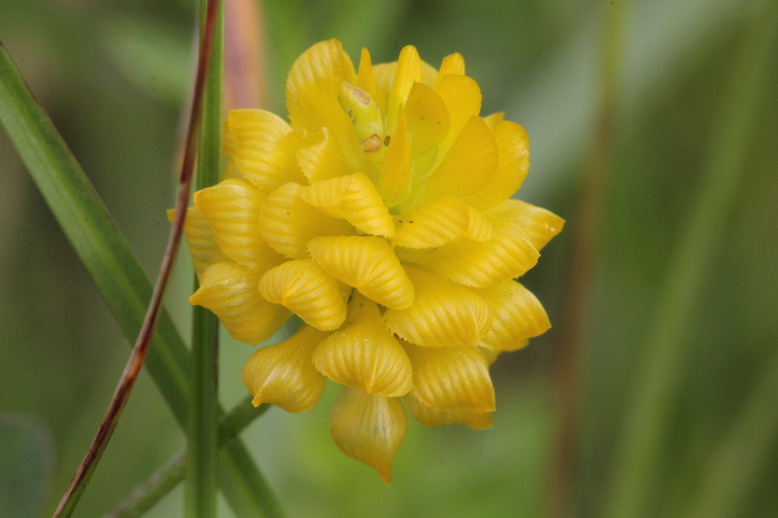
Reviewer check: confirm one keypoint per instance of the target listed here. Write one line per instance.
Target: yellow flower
(382, 217)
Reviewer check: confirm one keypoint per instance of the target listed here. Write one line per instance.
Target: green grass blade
(101, 247)
(657, 383)
(200, 486)
(735, 466)
(91, 230)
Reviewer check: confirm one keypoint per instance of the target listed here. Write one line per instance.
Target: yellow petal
(366, 78)
(367, 263)
(365, 355)
(512, 166)
(516, 316)
(463, 101)
(429, 416)
(287, 222)
(427, 118)
(441, 222)
(443, 313)
(232, 210)
(324, 109)
(385, 74)
(230, 291)
(308, 291)
(494, 119)
(354, 198)
(538, 224)
(368, 428)
(259, 149)
(312, 96)
(452, 64)
(319, 154)
(408, 71)
(199, 237)
(429, 74)
(283, 374)
(323, 63)
(490, 355)
(509, 254)
(479, 227)
(467, 167)
(384, 77)
(228, 149)
(451, 377)
(394, 178)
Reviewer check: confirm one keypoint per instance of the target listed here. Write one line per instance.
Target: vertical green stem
(200, 489)
(648, 417)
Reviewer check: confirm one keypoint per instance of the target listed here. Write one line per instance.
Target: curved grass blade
(648, 413)
(102, 249)
(89, 227)
(85, 470)
(733, 469)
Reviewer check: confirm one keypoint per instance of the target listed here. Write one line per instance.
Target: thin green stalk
(146, 496)
(165, 479)
(92, 457)
(102, 249)
(200, 487)
(648, 417)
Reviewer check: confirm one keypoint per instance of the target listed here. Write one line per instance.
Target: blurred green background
(115, 75)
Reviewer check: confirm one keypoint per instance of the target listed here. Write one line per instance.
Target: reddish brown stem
(123, 389)
(569, 347)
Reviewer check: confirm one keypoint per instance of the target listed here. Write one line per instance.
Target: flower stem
(648, 418)
(134, 364)
(200, 489)
(107, 257)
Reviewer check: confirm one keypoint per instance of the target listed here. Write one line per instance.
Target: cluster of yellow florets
(381, 216)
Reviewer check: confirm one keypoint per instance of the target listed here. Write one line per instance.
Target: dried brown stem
(122, 393)
(569, 347)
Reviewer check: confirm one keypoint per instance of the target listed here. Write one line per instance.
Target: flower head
(382, 216)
